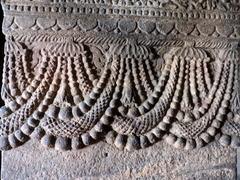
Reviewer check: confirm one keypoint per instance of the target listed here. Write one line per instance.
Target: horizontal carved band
(70, 93)
(122, 26)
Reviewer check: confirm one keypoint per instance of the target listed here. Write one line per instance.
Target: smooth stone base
(102, 161)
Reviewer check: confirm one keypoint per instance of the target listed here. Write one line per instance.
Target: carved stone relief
(130, 73)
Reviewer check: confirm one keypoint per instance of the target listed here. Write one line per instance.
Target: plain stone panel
(102, 161)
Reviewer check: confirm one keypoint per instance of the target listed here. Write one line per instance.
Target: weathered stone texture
(128, 73)
(103, 161)
(131, 73)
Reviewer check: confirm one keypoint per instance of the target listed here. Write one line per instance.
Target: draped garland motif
(65, 104)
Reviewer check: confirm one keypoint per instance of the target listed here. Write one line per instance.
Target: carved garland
(127, 82)
(67, 105)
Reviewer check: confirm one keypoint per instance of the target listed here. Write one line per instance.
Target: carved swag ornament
(128, 72)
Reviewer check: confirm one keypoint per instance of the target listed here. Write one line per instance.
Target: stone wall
(103, 161)
(114, 83)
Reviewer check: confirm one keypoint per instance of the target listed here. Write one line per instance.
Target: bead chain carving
(131, 82)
